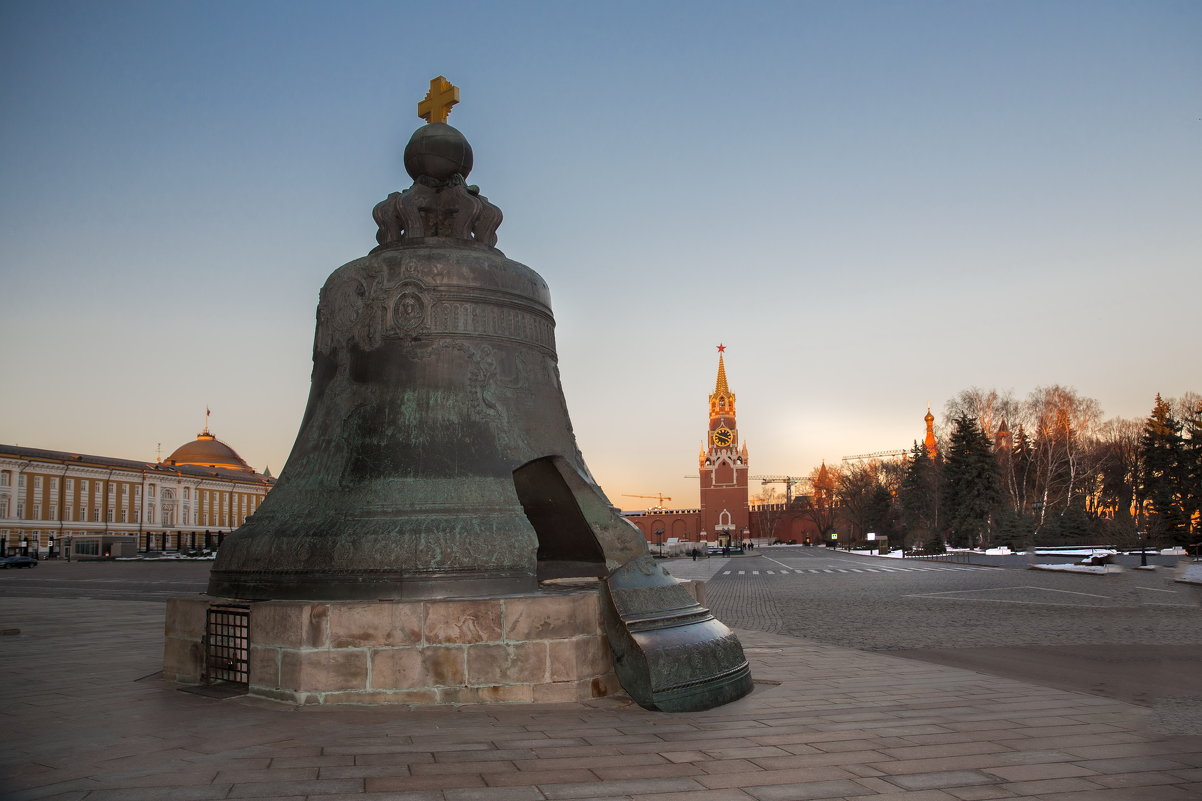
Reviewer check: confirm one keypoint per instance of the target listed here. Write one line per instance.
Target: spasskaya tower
(723, 468)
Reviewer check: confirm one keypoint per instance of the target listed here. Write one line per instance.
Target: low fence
(959, 557)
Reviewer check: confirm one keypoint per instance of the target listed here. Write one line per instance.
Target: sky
(873, 205)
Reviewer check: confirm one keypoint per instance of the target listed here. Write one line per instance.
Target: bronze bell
(436, 458)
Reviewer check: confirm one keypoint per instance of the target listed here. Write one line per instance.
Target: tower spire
(929, 440)
(720, 384)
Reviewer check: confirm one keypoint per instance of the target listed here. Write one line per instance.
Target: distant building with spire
(723, 467)
(929, 439)
(726, 515)
(1003, 440)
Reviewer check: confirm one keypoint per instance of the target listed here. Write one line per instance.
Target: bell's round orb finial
(437, 151)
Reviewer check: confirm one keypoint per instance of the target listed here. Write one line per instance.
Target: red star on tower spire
(720, 386)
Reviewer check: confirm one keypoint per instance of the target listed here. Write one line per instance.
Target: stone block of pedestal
(546, 646)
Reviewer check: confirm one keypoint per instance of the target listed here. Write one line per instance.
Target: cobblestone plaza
(87, 718)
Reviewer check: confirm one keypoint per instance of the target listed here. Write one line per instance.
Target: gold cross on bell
(437, 105)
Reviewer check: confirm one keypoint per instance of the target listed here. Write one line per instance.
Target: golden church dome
(208, 451)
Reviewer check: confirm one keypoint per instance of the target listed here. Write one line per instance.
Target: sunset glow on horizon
(872, 207)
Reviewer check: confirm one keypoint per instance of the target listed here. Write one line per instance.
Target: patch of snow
(1074, 551)
(1192, 574)
(1072, 568)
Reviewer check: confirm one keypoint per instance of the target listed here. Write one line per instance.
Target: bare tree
(1064, 424)
(769, 508)
(864, 497)
(822, 506)
(1116, 464)
(989, 407)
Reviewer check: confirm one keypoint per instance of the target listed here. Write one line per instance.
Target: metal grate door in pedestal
(227, 629)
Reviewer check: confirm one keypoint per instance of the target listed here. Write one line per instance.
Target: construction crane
(867, 457)
(788, 481)
(660, 496)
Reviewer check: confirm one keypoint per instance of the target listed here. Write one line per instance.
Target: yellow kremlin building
(58, 503)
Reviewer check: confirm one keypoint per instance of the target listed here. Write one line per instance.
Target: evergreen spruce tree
(1015, 529)
(1162, 465)
(972, 483)
(919, 495)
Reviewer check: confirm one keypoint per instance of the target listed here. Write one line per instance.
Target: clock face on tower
(723, 437)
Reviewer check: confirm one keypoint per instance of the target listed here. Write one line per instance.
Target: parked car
(18, 561)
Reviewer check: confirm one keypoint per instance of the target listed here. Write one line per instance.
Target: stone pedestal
(539, 647)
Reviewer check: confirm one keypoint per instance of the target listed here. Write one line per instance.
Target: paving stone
(728, 766)
(617, 760)
(444, 768)
(312, 787)
(600, 789)
(1163, 793)
(770, 777)
(695, 795)
(534, 778)
(910, 795)
(940, 779)
(1046, 786)
(944, 750)
(494, 794)
(417, 795)
(266, 775)
(943, 764)
(311, 760)
(1131, 764)
(441, 781)
(362, 771)
(807, 790)
(979, 793)
(197, 793)
(593, 750)
(1136, 779)
(819, 759)
(394, 759)
(647, 771)
(1049, 770)
(474, 757)
(684, 756)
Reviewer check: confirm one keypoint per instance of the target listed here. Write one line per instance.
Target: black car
(18, 561)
